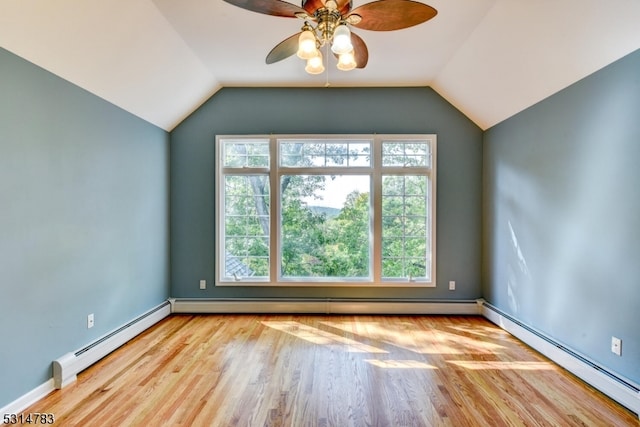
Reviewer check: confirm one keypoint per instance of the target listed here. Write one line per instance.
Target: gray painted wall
(326, 110)
(83, 220)
(562, 216)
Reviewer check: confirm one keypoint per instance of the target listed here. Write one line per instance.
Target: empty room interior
(445, 229)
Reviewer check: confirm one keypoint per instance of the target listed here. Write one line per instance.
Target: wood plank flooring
(285, 370)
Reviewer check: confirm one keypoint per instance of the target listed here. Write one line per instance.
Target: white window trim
(376, 170)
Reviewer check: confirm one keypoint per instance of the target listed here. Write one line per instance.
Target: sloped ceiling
(161, 59)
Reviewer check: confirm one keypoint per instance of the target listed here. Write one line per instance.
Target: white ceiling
(161, 59)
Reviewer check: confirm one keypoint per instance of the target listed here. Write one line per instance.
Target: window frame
(375, 170)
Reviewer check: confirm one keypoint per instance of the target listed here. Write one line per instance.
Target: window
(326, 210)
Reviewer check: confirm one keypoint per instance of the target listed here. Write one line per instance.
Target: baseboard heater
(325, 306)
(66, 368)
(616, 387)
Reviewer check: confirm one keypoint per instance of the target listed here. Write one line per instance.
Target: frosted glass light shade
(315, 65)
(306, 45)
(341, 40)
(347, 61)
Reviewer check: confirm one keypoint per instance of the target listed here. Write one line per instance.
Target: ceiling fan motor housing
(327, 21)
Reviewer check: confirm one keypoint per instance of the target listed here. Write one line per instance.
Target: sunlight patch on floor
(318, 336)
(511, 365)
(435, 341)
(400, 364)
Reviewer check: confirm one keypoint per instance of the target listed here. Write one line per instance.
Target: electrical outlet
(452, 285)
(616, 346)
(90, 321)
(203, 284)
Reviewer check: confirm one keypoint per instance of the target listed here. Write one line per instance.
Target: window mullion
(274, 228)
(376, 200)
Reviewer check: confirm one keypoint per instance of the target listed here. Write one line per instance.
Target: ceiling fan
(326, 22)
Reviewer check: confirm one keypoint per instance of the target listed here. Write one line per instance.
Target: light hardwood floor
(250, 370)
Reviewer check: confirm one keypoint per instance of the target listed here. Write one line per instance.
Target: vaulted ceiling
(161, 59)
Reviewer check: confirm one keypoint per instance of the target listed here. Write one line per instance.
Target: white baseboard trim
(23, 402)
(617, 388)
(323, 306)
(66, 367)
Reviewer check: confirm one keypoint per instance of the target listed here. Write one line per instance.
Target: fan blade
(389, 15)
(360, 51)
(284, 49)
(269, 7)
(310, 6)
(344, 6)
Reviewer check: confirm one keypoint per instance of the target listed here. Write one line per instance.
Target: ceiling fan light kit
(326, 23)
(307, 47)
(314, 64)
(341, 40)
(346, 61)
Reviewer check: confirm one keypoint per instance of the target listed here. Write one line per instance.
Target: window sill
(334, 284)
